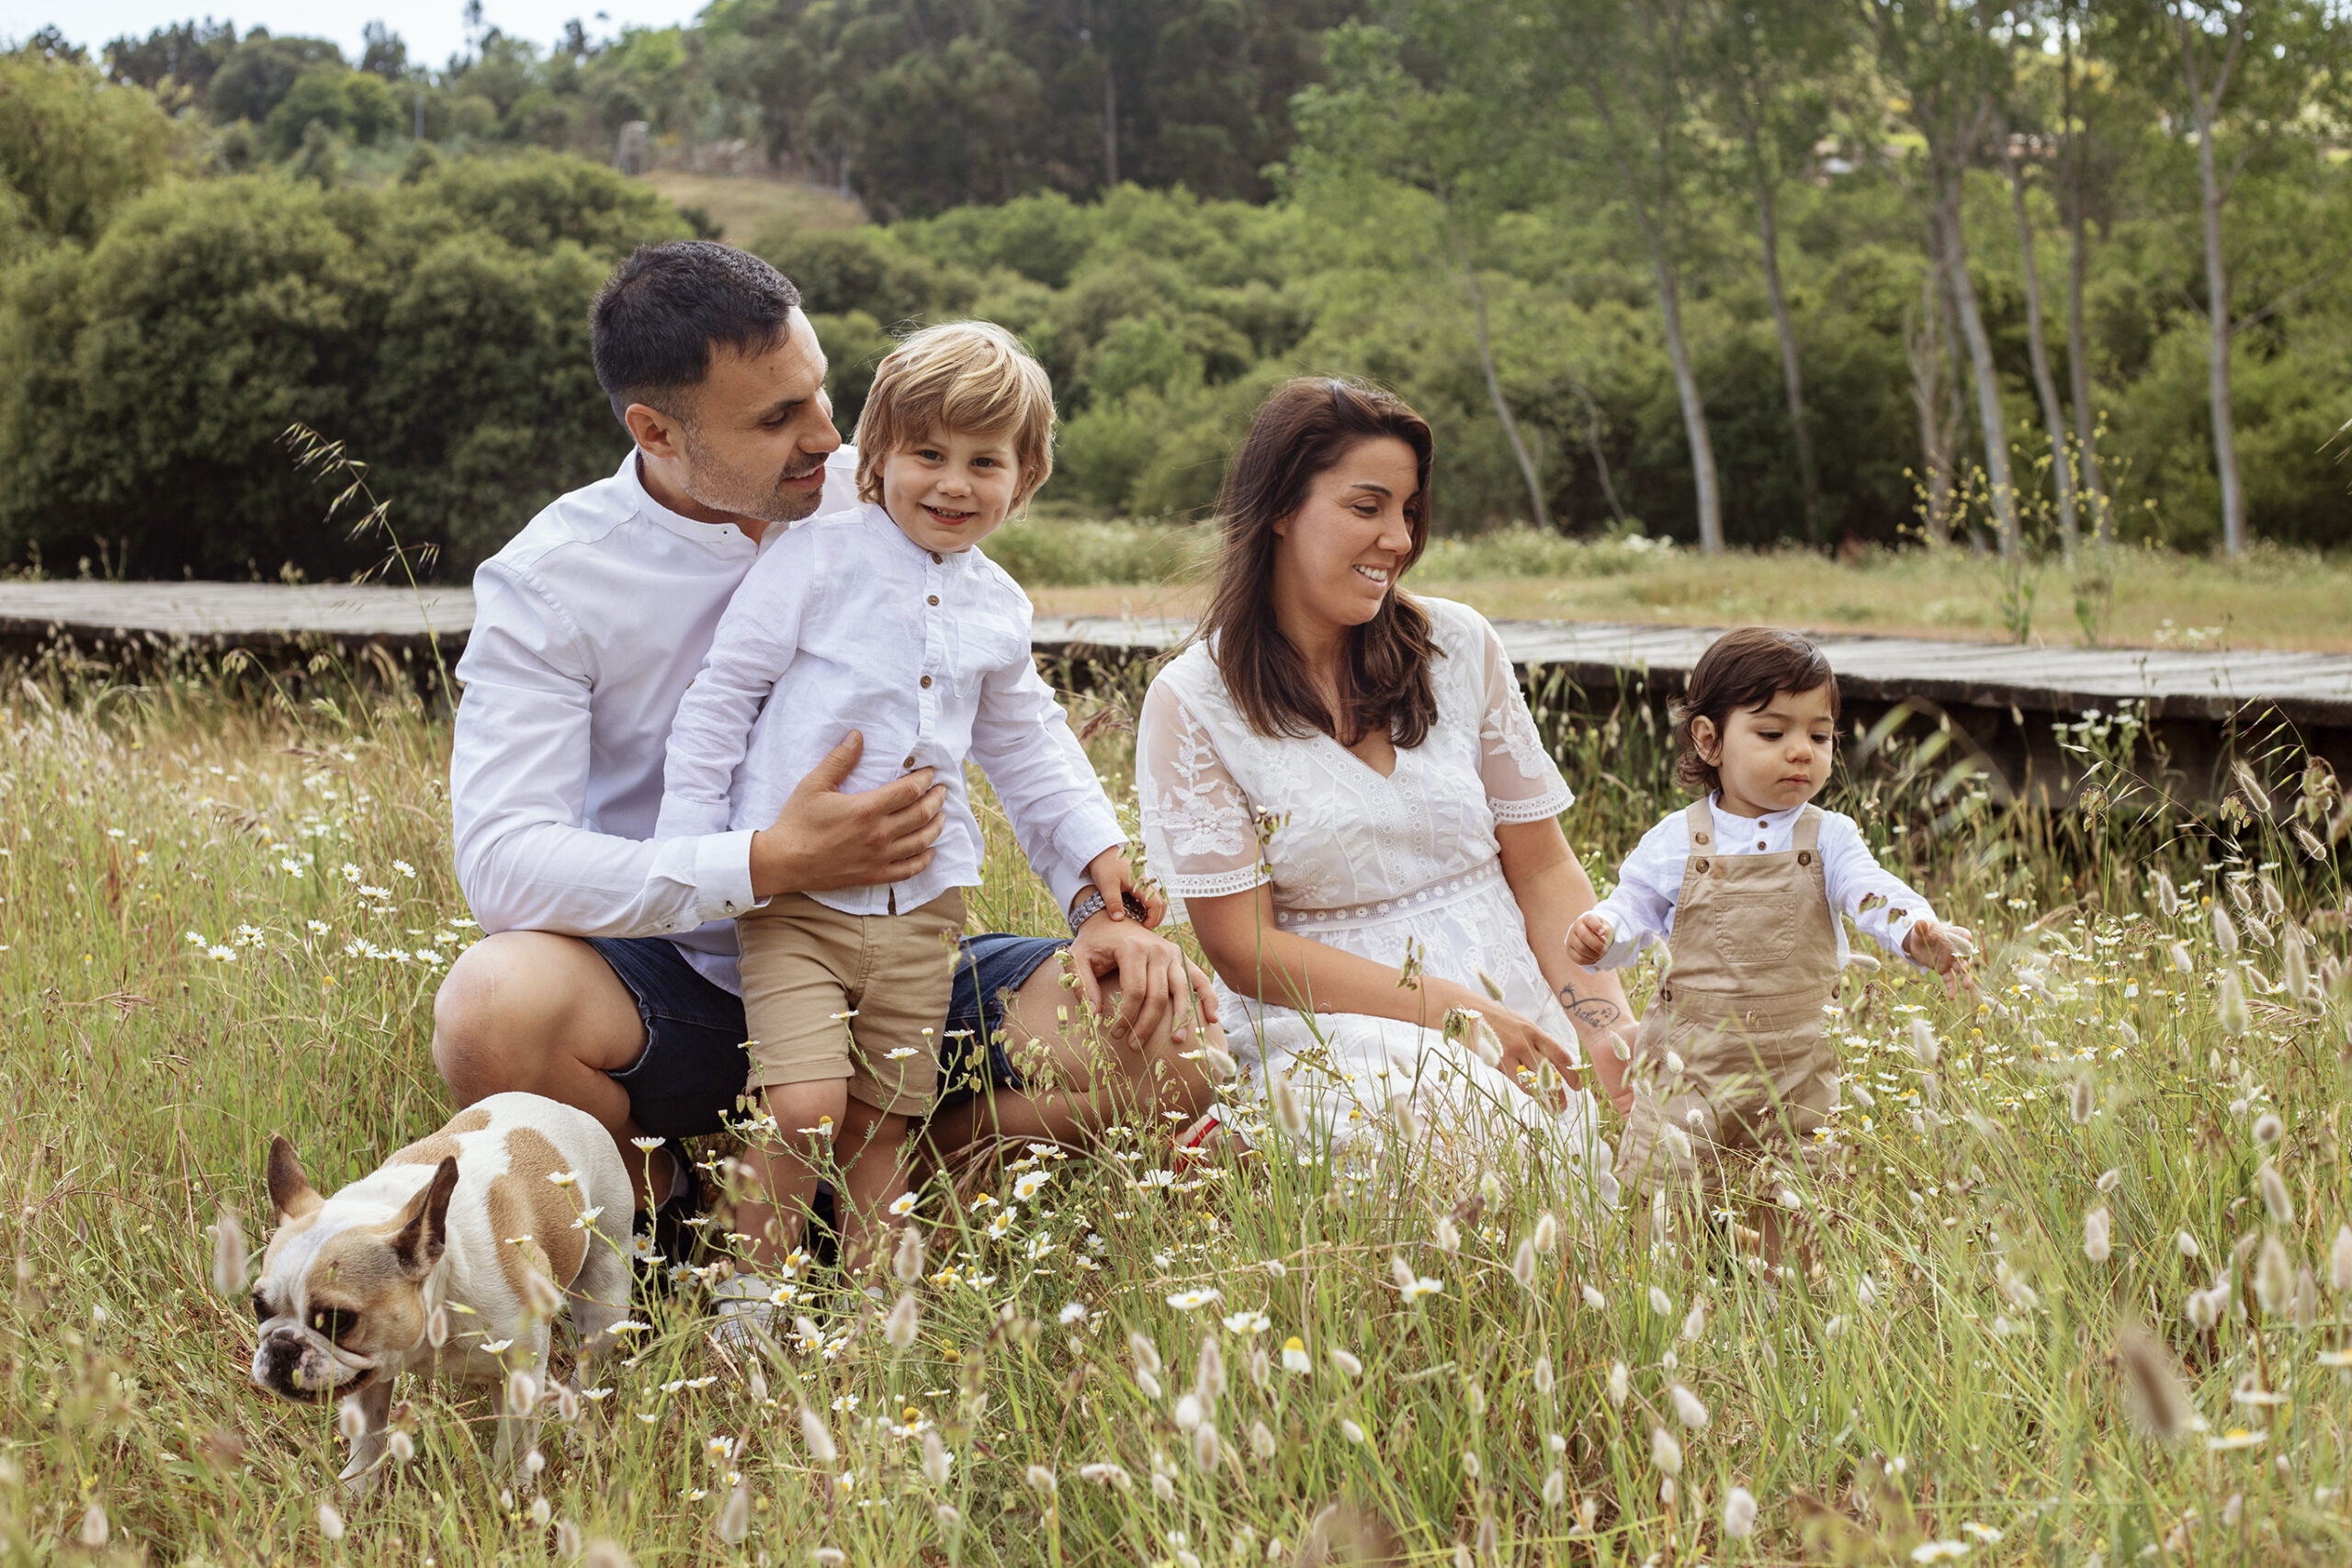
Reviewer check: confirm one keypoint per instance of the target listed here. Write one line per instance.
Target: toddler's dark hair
(1742, 669)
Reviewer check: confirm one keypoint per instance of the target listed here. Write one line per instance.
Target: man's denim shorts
(693, 1066)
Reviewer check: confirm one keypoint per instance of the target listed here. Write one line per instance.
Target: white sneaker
(748, 1303)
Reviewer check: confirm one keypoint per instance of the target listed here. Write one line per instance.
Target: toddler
(889, 621)
(1747, 887)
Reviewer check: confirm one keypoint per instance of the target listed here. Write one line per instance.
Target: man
(607, 979)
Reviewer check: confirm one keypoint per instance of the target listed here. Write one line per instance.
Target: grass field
(742, 206)
(225, 914)
(2273, 599)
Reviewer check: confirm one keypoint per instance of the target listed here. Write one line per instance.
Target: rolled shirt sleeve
(1640, 910)
(519, 781)
(1854, 878)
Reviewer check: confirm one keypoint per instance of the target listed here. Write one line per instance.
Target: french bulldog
(427, 1265)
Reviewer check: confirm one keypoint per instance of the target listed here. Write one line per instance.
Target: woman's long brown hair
(1303, 431)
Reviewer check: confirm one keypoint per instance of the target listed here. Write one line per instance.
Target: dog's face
(341, 1297)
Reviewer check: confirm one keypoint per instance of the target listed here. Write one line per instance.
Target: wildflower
(1146, 1353)
(2236, 1437)
(2339, 1261)
(1938, 1550)
(402, 1445)
(1475, 1396)
(1294, 1356)
(2274, 1280)
(350, 1420)
(330, 1521)
(936, 1460)
(1351, 1431)
(1556, 1489)
(2273, 1194)
(2231, 1006)
(1040, 1479)
(1246, 1321)
(1424, 1286)
(1547, 1232)
(901, 1327)
(1620, 1384)
(1190, 1300)
(1346, 1362)
(1148, 1381)
(2108, 1181)
(1208, 1377)
(1106, 1475)
(2225, 931)
(2268, 1128)
(1205, 1446)
(1665, 1452)
(1694, 1323)
(903, 1205)
(2095, 1234)
(1288, 1109)
(815, 1435)
(2167, 895)
(1031, 1184)
(1923, 1042)
(1739, 1512)
(2189, 1248)
(1447, 1237)
(2152, 1384)
(1522, 1265)
(229, 1253)
(1689, 1408)
(1190, 1413)
(522, 1390)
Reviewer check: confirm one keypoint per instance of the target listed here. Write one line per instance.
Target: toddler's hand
(1121, 889)
(1589, 938)
(1944, 948)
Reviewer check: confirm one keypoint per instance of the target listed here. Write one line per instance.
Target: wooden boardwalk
(2306, 689)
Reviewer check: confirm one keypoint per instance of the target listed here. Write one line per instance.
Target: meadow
(2137, 596)
(2081, 1293)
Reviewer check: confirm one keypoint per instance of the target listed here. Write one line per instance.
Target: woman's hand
(1520, 1049)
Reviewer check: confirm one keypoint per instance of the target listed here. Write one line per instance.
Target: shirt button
(937, 560)
(910, 762)
(926, 682)
(935, 599)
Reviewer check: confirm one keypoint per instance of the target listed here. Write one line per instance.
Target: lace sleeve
(1198, 833)
(1523, 783)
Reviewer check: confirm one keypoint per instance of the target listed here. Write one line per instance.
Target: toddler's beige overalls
(1754, 948)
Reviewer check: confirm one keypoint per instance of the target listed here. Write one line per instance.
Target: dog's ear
(289, 1189)
(423, 1226)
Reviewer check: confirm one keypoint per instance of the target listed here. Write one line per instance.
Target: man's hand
(1162, 995)
(823, 840)
(1115, 879)
(1589, 938)
(1944, 948)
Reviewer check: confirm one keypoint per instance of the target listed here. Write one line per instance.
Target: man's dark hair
(1745, 668)
(657, 319)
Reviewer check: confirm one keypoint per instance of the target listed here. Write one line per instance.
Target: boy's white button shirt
(1641, 911)
(847, 624)
(587, 628)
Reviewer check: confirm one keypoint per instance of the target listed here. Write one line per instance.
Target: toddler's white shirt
(1641, 911)
(845, 623)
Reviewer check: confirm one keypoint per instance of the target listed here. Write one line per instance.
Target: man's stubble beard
(709, 481)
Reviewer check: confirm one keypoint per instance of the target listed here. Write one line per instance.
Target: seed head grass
(2073, 1264)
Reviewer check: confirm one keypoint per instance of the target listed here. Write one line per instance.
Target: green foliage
(71, 148)
(439, 327)
(261, 70)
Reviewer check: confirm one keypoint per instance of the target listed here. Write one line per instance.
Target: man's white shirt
(1641, 911)
(848, 623)
(588, 627)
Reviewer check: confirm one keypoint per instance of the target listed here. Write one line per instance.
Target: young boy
(1746, 886)
(889, 621)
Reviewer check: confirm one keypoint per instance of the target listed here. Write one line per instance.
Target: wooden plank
(2306, 688)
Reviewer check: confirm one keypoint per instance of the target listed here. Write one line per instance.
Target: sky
(434, 28)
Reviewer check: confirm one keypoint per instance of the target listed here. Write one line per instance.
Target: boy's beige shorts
(805, 963)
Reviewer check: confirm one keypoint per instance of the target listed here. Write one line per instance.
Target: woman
(1343, 786)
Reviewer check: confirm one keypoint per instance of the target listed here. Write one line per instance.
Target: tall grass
(225, 916)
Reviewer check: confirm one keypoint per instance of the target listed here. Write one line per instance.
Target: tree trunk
(1767, 233)
(2217, 314)
(2044, 385)
(1110, 125)
(1502, 404)
(2078, 352)
(1694, 410)
(1980, 356)
(1931, 398)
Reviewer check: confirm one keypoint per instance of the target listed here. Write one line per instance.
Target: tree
(2024, 40)
(1449, 143)
(186, 54)
(72, 147)
(1942, 55)
(1767, 63)
(1631, 60)
(261, 71)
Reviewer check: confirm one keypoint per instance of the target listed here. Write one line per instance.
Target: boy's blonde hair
(961, 376)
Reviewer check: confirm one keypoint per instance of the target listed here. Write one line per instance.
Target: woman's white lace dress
(1396, 869)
